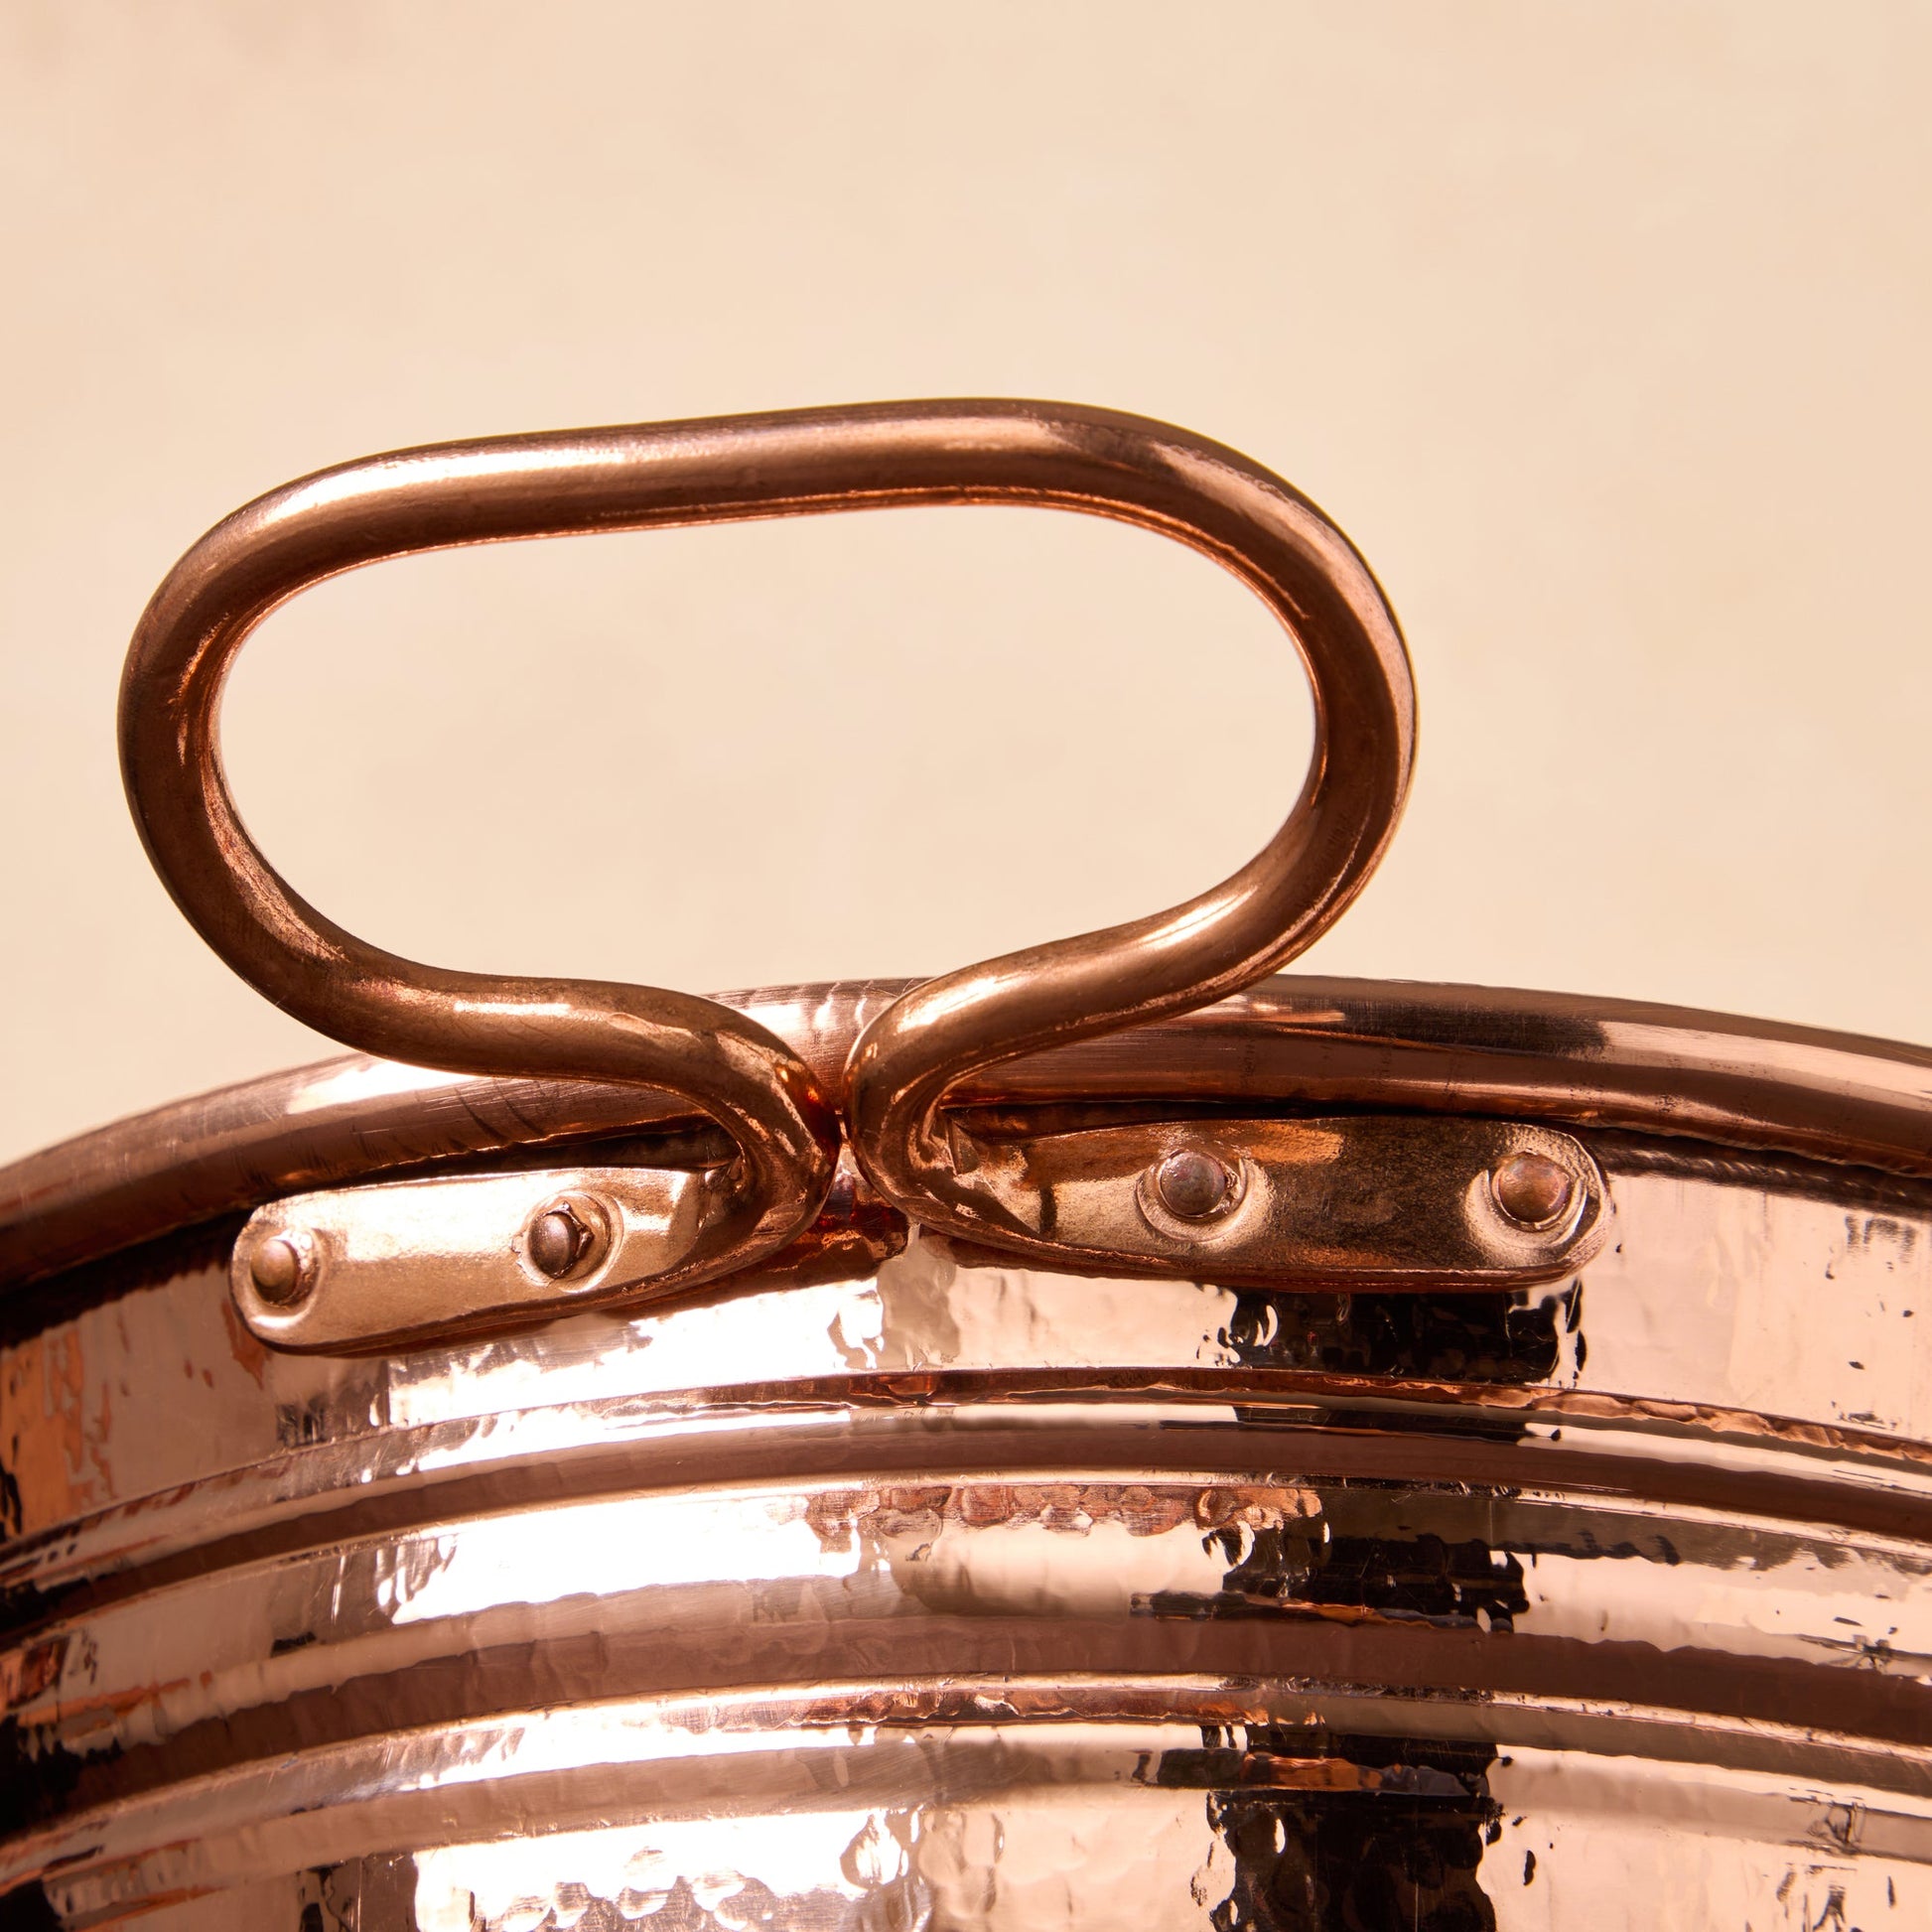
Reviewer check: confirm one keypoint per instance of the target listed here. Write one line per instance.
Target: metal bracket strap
(1351, 1202)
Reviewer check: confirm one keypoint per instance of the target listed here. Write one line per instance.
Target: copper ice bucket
(1105, 1438)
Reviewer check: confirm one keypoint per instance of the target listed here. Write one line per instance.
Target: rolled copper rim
(1297, 1041)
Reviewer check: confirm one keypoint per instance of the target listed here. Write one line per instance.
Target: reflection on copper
(1292, 1040)
(933, 1572)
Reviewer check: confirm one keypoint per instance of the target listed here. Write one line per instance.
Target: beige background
(1601, 328)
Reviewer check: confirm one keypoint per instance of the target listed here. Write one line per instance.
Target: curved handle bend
(1307, 572)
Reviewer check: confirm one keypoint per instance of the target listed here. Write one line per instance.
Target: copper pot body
(924, 1587)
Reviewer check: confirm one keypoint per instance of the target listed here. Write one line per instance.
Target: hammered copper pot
(1101, 1439)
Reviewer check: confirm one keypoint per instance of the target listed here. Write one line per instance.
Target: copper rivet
(1191, 1186)
(558, 1241)
(280, 1270)
(1532, 1189)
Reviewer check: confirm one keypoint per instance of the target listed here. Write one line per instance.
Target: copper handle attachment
(721, 469)
(1307, 572)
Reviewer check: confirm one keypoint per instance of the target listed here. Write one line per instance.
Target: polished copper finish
(741, 1074)
(1292, 1041)
(944, 1590)
(1305, 1454)
(390, 1265)
(911, 1056)
(1331, 1203)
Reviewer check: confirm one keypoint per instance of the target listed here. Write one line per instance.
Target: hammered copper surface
(957, 1592)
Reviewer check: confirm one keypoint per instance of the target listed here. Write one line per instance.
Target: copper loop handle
(1278, 904)
(727, 468)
